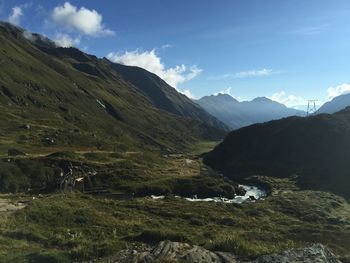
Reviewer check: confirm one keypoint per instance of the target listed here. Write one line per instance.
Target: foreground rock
(175, 252)
(168, 251)
(316, 253)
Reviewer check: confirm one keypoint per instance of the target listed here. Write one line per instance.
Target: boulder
(315, 253)
(15, 152)
(167, 251)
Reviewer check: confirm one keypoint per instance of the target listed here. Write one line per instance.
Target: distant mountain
(336, 104)
(316, 148)
(237, 114)
(67, 98)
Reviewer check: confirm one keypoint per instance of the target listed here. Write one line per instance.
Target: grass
(78, 226)
(240, 246)
(63, 227)
(203, 147)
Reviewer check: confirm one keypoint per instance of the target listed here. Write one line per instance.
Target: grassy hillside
(166, 97)
(55, 98)
(317, 149)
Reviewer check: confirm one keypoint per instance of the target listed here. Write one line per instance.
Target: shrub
(64, 155)
(155, 236)
(12, 178)
(49, 257)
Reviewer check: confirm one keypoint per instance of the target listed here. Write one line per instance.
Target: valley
(104, 162)
(72, 225)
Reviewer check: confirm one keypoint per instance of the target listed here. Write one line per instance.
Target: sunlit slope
(63, 97)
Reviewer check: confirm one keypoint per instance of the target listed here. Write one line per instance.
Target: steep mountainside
(239, 114)
(336, 104)
(316, 148)
(62, 96)
(164, 96)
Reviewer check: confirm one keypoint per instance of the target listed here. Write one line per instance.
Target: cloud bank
(288, 100)
(150, 61)
(338, 90)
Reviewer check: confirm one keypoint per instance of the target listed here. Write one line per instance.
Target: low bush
(155, 236)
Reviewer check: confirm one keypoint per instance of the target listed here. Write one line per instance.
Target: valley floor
(73, 226)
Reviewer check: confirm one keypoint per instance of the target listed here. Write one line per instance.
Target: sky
(290, 51)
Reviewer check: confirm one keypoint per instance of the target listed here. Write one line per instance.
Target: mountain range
(237, 114)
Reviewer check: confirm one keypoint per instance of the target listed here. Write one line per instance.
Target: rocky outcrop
(168, 251)
(316, 253)
(176, 252)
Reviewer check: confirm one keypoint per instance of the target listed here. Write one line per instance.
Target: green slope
(71, 99)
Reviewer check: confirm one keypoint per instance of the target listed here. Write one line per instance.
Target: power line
(311, 107)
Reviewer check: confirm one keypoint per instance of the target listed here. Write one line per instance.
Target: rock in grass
(15, 152)
(316, 253)
(26, 126)
(167, 251)
(176, 252)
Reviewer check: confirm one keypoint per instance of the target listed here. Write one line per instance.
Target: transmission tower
(311, 107)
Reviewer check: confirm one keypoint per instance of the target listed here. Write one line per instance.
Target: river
(252, 193)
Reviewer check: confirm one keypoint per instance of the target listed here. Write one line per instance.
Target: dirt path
(7, 205)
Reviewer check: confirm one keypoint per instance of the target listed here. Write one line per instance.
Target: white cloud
(16, 15)
(226, 91)
(188, 93)
(338, 90)
(28, 35)
(88, 22)
(247, 74)
(64, 40)
(166, 46)
(254, 73)
(310, 30)
(288, 100)
(150, 61)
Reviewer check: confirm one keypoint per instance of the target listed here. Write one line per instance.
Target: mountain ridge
(70, 90)
(336, 104)
(239, 114)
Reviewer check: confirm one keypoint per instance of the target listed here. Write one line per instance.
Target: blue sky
(290, 50)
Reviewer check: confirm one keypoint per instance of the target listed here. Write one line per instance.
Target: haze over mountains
(237, 114)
